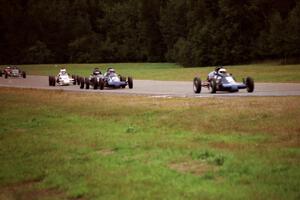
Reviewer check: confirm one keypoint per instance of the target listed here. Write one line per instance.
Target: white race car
(62, 79)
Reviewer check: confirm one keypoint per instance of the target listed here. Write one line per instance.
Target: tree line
(188, 32)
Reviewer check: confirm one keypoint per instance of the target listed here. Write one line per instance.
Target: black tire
(81, 80)
(123, 79)
(87, 83)
(213, 86)
(78, 80)
(1, 73)
(250, 84)
(95, 83)
(197, 85)
(24, 74)
(53, 81)
(101, 84)
(50, 82)
(130, 83)
(74, 78)
(6, 75)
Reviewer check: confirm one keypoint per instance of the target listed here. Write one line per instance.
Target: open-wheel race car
(62, 79)
(92, 81)
(13, 71)
(110, 80)
(220, 80)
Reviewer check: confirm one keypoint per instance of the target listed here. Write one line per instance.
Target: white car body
(65, 80)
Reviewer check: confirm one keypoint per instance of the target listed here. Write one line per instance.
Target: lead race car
(220, 80)
(62, 79)
(13, 72)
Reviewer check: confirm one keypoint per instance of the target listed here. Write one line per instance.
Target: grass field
(63, 145)
(264, 72)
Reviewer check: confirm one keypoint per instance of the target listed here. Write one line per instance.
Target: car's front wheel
(213, 86)
(87, 83)
(197, 85)
(250, 84)
(130, 83)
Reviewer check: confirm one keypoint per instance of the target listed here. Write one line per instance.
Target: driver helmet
(108, 69)
(218, 68)
(63, 71)
(222, 71)
(96, 71)
(111, 71)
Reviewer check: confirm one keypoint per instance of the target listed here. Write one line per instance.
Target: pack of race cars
(97, 80)
(217, 80)
(110, 79)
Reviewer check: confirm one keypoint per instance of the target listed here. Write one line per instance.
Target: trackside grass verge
(264, 72)
(63, 145)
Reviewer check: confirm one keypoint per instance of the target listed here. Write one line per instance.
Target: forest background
(187, 32)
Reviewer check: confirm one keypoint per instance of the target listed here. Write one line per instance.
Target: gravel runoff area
(158, 88)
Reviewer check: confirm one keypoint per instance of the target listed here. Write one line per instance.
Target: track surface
(158, 88)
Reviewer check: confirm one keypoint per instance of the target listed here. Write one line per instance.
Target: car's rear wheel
(0, 73)
(78, 80)
(24, 74)
(197, 85)
(95, 82)
(130, 82)
(6, 75)
(213, 86)
(101, 84)
(81, 81)
(50, 82)
(250, 84)
(87, 83)
(74, 79)
(53, 81)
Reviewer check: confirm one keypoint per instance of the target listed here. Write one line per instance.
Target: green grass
(60, 145)
(264, 72)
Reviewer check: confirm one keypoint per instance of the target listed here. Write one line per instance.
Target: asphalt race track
(158, 88)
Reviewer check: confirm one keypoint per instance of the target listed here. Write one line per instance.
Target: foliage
(188, 32)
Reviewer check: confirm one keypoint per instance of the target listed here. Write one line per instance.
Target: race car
(62, 79)
(13, 71)
(110, 80)
(94, 80)
(222, 81)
